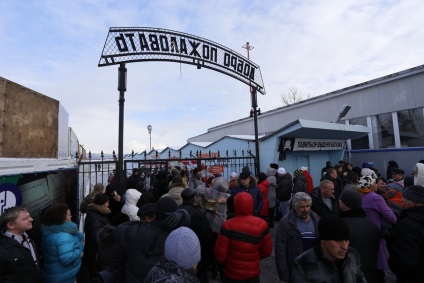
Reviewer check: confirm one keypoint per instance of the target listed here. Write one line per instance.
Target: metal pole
(255, 121)
(149, 128)
(122, 87)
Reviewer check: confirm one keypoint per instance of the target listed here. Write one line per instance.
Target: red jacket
(263, 186)
(243, 241)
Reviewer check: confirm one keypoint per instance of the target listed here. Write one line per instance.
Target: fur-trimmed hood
(101, 209)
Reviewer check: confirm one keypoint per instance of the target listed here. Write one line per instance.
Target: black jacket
(365, 238)
(143, 245)
(284, 187)
(407, 249)
(319, 207)
(16, 262)
(289, 243)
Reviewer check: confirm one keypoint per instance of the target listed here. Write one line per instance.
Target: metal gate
(101, 170)
(212, 163)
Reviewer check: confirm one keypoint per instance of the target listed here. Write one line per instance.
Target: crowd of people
(180, 226)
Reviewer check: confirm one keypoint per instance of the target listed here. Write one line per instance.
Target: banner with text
(318, 144)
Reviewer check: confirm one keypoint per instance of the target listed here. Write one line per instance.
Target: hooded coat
(130, 207)
(174, 192)
(263, 187)
(272, 198)
(244, 240)
(253, 190)
(62, 248)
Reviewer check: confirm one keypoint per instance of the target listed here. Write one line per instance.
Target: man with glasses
(323, 200)
(19, 261)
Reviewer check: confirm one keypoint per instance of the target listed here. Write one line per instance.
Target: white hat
(281, 171)
(233, 175)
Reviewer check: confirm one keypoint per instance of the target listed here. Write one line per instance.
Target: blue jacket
(253, 190)
(62, 249)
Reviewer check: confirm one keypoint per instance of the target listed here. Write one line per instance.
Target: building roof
(302, 128)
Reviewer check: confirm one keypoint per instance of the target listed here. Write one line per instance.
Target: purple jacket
(376, 209)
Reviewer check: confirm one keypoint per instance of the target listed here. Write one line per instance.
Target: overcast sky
(53, 47)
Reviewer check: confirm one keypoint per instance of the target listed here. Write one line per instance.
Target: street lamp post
(149, 128)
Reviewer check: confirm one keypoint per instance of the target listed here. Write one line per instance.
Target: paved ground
(269, 272)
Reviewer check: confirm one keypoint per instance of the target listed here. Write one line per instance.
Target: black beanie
(165, 206)
(332, 227)
(101, 199)
(188, 194)
(351, 198)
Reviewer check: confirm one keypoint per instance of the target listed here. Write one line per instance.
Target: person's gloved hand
(179, 217)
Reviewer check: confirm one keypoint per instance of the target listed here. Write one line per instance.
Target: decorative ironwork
(125, 45)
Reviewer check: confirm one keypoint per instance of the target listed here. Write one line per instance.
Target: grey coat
(272, 198)
(311, 266)
(288, 244)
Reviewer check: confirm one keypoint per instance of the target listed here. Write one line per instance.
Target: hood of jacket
(416, 213)
(106, 236)
(286, 176)
(270, 171)
(66, 227)
(243, 204)
(99, 208)
(132, 196)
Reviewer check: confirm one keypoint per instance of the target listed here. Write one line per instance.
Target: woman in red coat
(263, 185)
(244, 240)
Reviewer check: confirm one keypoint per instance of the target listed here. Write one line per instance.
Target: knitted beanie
(332, 227)
(183, 247)
(298, 172)
(101, 199)
(351, 198)
(165, 206)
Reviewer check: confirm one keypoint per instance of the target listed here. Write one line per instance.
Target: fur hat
(101, 199)
(183, 247)
(351, 198)
(366, 182)
(414, 193)
(245, 173)
(273, 165)
(165, 206)
(281, 171)
(332, 227)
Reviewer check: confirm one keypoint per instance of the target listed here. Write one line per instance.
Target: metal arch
(132, 44)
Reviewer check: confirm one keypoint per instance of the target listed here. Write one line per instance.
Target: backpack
(284, 190)
(85, 203)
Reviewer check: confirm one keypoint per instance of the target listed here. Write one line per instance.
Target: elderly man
(19, 260)
(323, 200)
(332, 260)
(296, 233)
(407, 250)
